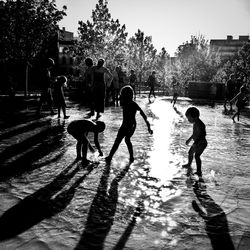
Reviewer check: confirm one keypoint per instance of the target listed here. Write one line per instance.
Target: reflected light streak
(162, 161)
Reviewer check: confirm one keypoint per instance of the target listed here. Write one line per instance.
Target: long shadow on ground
(42, 204)
(102, 211)
(214, 218)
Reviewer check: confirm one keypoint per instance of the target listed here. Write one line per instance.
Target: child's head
(100, 126)
(127, 93)
(89, 62)
(100, 63)
(192, 113)
(50, 62)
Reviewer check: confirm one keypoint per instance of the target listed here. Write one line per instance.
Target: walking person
(46, 92)
(87, 79)
(127, 129)
(240, 100)
(198, 137)
(230, 92)
(175, 86)
(99, 86)
(59, 85)
(151, 83)
(132, 81)
(116, 86)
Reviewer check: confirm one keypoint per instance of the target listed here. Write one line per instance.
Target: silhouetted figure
(212, 93)
(240, 100)
(116, 86)
(199, 138)
(132, 81)
(214, 218)
(89, 85)
(99, 86)
(46, 93)
(175, 86)
(151, 83)
(60, 83)
(79, 129)
(128, 126)
(230, 92)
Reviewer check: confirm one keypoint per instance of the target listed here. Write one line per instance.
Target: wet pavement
(49, 201)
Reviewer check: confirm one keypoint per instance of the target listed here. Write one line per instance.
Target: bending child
(127, 129)
(79, 129)
(199, 138)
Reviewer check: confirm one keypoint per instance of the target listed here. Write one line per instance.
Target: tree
(26, 28)
(141, 54)
(103, 37)
(194, 62)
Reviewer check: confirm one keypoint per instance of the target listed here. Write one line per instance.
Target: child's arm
(235, 98)
(189, 139)
(146, 120)
(97, 144)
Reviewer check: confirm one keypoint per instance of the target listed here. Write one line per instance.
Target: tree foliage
(26, 26)
(103, 37)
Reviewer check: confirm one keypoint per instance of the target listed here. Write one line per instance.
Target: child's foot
(199, 174)
(66, 116)
(85, 162)
(186, 165)
(233, 120)
(98, 116)
(78, 158)
(108, 159)
(131, 159)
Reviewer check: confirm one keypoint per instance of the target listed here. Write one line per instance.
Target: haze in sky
(169, 22)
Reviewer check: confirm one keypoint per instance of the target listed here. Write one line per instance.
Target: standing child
(199, 138)
(128, 126)
(60, 83)
(79, 129)
(240, 101)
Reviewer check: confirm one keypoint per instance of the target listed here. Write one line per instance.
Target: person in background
(132, 81)
(59, 85)
(87, 79)
(230, 92)
(46, 92)
(151, 83)
(99, 86)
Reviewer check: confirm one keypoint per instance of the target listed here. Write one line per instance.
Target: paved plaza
(50, 201)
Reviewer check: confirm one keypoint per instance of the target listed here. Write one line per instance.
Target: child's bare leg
(78, 149)
(85, 145)
(198, 164)
(115, 147)
(59, 112)
(190, 157)
(130, 148)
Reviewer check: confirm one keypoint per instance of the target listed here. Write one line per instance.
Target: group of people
(52, 90)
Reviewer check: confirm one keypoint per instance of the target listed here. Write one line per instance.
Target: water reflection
(214, 218)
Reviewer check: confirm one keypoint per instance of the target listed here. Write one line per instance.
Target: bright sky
(169, 22)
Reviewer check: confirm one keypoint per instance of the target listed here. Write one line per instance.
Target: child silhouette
(127, 129)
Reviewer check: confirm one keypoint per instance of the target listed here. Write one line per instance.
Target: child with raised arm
(79, 129)
(199, 138)
(127, 129)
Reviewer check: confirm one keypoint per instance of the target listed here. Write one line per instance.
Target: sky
(170, 23)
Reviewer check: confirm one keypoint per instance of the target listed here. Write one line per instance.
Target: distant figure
(60, 83)
(151, 83)
(116, 85)
(132, 80)
(46, 93)
(87, 79)
(240, 100)
(230, 92)
(212, 93)
(99, 86)
(175, 86)
(199, 138)
(128, 126)
(79, 129)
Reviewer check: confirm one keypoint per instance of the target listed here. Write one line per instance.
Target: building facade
(227, 47)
